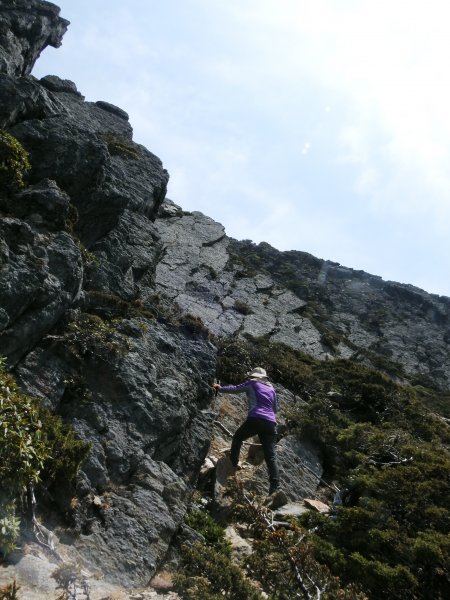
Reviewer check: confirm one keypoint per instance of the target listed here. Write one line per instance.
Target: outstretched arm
(232, 389)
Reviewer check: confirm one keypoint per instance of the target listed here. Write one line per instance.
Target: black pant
(266, 431)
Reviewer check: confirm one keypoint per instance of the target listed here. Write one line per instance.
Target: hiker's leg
(245, 431)
(268, 437)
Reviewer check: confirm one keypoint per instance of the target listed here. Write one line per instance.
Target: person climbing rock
(261, 421)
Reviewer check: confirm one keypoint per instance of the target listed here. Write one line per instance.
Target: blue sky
(313, 125)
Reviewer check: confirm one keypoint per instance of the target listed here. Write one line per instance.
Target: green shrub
(34, 444)
(206, 574)
(389, 455)
(384, 581)
(9, 527)
(89, 258)
(23, 450)
(212, 532)
(120, 146)
(194, 325)
(66, 452)
(90, 335)
(14, 162)
(283, 560)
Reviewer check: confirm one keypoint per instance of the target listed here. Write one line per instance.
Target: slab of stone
(292, 509)
(224, 470)
(240, 548)
(317, 505)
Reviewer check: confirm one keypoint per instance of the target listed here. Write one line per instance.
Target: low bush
(35, 446)
(389, 455)
(14, 162)
(212, 532)
(206, 574)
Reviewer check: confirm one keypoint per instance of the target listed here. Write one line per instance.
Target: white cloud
(388, 60)
(306, 148)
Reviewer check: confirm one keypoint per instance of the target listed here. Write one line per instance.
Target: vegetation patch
(283, 560)
(387, 452)
(90, 335)
(14, 162)
(110, 305)
(211, 531)
(89, 258)
(242, 307)
(193, 324)
(206, 574)
(119, 146)
(9, 592)
(35, 446)
(282, 565)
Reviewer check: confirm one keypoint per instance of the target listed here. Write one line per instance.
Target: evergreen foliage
(283, 560)
(90, 335)
(120, 146)
(207, 574)
(14, 162)
(23, 452)
(206, 571)
(35, 446)
(212, 532)
(386, 451)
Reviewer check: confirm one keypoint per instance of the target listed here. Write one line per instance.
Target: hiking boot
(277, 499)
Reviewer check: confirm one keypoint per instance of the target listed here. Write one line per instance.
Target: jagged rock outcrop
(393, 326)
(87, 149)
(27, 28)
(322, 308)
(144, 407)
(136, 389)
(40, 278)
(197, 272)
(109, 293)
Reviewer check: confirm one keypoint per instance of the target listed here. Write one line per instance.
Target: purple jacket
(262, 398)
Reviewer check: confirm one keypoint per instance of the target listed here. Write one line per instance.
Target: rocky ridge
(110, 294)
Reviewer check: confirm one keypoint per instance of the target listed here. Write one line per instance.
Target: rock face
(109, 293)
(318, 307)
(141, 399)
(198, 274)
(27, 28)
(74, 325)
(388, 325)
(42, 269)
